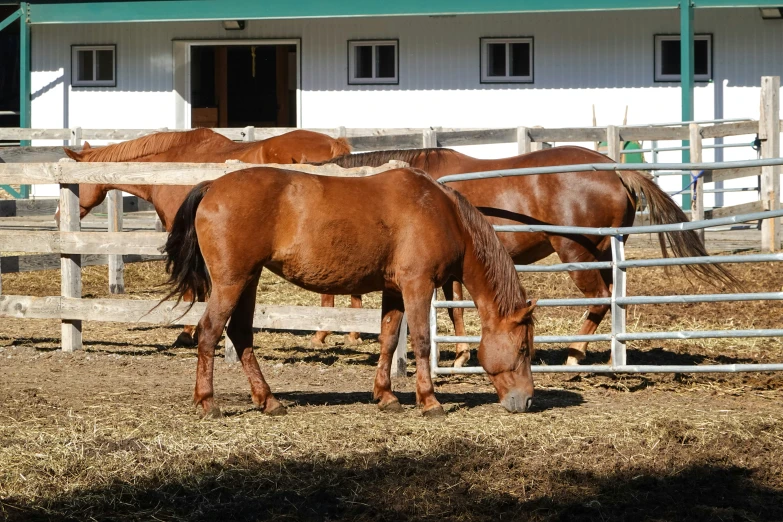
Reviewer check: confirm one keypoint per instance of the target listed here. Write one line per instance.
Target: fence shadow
(397, 487)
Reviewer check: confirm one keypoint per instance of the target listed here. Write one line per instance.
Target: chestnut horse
(586, 199)
(403, 235)
(200, 146)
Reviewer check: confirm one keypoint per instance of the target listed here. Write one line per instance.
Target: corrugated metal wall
(580, 59)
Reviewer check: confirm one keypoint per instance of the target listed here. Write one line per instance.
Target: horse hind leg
(353, 338)
(210, 327)
(240, 331)
(318, 340)
(452, 290)
(593, 284)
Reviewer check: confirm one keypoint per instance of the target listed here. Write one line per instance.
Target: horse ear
(526, 313)
(72, 154)
(86, 146)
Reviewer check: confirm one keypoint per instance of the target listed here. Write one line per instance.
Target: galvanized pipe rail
(619, 300)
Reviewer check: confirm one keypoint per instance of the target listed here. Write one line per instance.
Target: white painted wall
(580, 59)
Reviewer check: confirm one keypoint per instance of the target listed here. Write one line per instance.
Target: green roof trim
(185, 10)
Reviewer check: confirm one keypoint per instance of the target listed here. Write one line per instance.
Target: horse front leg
(452, 291)
(318, 339)
(417, 297)
(353, 338)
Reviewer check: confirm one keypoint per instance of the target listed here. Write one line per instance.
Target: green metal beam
(24, 71)
(163, 10)
(686, 84)
(11, 19)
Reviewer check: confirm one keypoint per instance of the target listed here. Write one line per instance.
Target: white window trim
(485, 78)
(660, 77)
(353, 80)
(75, 82)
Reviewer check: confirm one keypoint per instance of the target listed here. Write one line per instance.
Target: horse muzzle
(517, 401)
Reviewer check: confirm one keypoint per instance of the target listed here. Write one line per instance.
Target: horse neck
(144, 192)
(476, 279)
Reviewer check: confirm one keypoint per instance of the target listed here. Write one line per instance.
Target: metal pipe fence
(619, 300)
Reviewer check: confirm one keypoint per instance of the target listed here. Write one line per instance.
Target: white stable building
(494, 63)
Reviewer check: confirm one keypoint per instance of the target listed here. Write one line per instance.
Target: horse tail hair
(76, 156)
(340, 147)
(663, 210)
(184, 262)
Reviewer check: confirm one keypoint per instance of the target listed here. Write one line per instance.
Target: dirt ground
(109, 433)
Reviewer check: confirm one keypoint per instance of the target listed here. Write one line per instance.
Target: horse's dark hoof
(390, 407)
(434, 412)
(185, 340)
(276, 410)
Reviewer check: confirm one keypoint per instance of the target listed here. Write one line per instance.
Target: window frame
(484, 42)
(353, 80)
(659, 77)
(75, 49)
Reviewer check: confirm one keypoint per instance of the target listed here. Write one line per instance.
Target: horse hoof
(352, 341)
(184, 340)
(276, 410)
(461, 360)
(434, 412)
(390, 407)
(316, 343)
(212, 413)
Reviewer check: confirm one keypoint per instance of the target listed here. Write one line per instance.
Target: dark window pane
(670, 57)
(105, 62)
(84, 66)
(701, 54)
(496, 59)
(363, 56)
(520, 59)
(384, 61)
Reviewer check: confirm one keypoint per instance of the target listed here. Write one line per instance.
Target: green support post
(24, 80)
(686, 84)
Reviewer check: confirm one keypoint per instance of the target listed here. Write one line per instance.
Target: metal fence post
(697, 188)
(116, 264)
(70, 264)
(399, 365)
(618, 311)
(434, 353)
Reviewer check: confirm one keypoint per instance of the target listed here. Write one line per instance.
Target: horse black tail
(184, 262)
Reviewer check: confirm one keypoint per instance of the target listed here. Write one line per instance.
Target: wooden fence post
(399, 365)
(613, 143)
(430, 139)
(116, 265)
(769, 133)
(524, 145)
(70, 264)
(249, 134)
(76, 137)
(697, 189)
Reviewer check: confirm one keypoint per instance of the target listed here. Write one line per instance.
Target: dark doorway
(241, 85)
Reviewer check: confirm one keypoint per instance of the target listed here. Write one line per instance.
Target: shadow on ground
(448, 486)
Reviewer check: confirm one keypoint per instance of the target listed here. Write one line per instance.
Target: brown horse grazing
(200, 146)
(403, 235)
(587, 199)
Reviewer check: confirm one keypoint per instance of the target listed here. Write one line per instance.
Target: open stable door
(243, 85)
